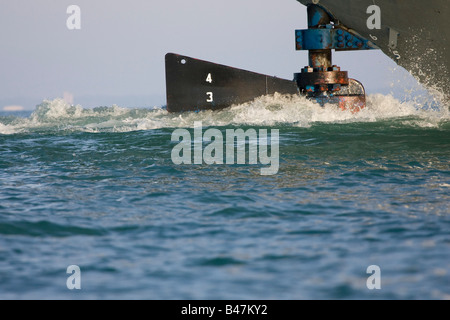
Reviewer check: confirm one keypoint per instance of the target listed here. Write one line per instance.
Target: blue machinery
(321, 80)
(195, 85)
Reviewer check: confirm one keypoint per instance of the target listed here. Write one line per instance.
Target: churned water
(97, 188)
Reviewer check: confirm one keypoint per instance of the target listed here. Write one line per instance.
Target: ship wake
(55, 116)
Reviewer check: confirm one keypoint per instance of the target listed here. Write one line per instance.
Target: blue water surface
(348, 195)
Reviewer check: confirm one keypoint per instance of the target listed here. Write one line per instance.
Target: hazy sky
(118, 55)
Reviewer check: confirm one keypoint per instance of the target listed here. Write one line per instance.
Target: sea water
(97, 188)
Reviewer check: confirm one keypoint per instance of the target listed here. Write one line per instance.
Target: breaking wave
(58, 116)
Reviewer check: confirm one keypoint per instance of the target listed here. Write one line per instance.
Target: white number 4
(209, 78)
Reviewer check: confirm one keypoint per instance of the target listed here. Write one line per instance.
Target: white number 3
(210, 97)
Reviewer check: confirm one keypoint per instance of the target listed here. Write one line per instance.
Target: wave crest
(57, 115)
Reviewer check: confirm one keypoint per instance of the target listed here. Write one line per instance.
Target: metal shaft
(317, 17)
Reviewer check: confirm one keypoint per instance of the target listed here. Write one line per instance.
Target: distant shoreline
(13, 108)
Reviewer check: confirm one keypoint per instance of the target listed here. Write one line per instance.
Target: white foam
(57, 115)
(6, 129)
